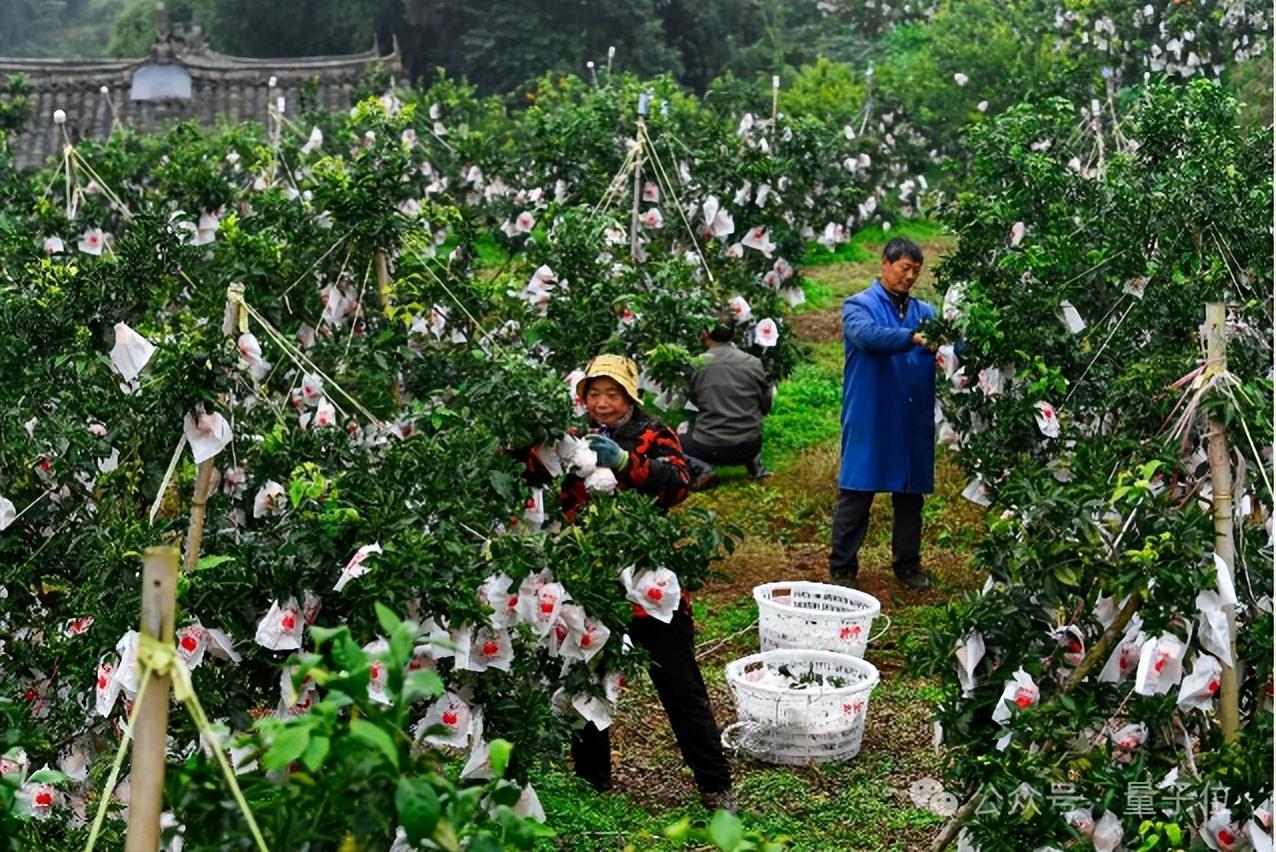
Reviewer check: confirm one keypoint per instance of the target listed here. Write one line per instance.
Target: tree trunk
(1100, 650)
(199, 509)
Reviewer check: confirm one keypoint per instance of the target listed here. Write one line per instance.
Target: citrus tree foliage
(974, 59)
(1181, 40)
(357, 772)
(423, 276)
(1075, 293)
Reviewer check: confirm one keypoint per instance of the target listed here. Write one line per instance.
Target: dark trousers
(850, 525)
(676, 676)
(703, 456)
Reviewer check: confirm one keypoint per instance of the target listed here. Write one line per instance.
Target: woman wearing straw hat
(645, 455)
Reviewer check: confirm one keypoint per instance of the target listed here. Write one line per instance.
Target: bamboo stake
(199, 509)
(1224, 542)
(633, 212)
(383, 290)
(383, 279)
(150, 736)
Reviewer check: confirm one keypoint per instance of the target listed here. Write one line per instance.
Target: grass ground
(862, 804)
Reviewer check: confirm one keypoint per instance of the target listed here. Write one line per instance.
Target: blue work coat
(888, 397)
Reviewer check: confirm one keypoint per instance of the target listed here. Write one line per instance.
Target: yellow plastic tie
(235, 296)
(162, 660)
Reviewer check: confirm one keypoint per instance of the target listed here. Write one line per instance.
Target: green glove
(609, 452)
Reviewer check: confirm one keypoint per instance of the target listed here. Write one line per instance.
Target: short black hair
(902, 247)
(722, 328)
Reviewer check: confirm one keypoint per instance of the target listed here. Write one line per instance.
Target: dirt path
(860, 803)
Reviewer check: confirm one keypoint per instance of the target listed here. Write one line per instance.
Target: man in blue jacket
(888, 417)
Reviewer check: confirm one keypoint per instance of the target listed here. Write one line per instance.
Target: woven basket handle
(882, 632)
(744, 729)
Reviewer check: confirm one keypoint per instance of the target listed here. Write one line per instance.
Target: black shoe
(761, 473)
(599, 785)
(719, 800)
(849, 581)
(917, 581)
(707, 478)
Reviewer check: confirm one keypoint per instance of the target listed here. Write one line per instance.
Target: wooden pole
(199, 508)
(150, 734)
(1224, 542)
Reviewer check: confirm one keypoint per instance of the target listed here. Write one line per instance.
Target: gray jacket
(731, 391)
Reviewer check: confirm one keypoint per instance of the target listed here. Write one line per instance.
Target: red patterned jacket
(656, 465)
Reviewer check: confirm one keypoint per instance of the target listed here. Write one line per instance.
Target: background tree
(68, 28)
(996, 48)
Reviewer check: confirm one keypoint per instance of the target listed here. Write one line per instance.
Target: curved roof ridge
(213, 58)
(18, 65)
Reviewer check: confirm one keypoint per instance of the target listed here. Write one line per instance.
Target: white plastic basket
(814, 724)
(817, 616)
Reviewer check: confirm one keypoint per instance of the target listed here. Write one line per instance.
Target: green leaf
(316, 753)
(422, 683)
(445, 836)
(47, 776)
(507, 794)
(347, 653)
(503, 483)
(418, 807)
(1067, 575)
(402, 641)
(289, 745)
(1173, 833)
(388, 620)
(679, 831)
(499, 755)
(321, 635)
(726, 831)
(212, 561)
(376, 737)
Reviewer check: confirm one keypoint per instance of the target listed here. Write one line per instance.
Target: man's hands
(609, 452)
(920, 339)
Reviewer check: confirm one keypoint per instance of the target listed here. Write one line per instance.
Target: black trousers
(850, 525)
(676, 676)
(702, 456)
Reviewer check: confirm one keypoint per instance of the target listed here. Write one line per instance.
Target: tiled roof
(221, 86)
